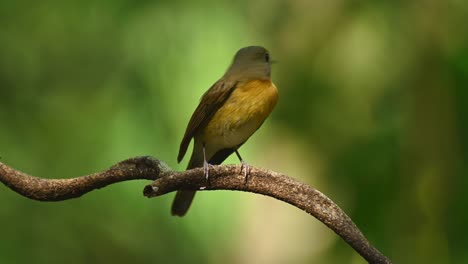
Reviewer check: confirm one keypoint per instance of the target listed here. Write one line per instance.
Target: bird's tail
(183, 199)
(182, 202)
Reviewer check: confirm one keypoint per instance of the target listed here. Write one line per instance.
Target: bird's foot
(246, 167)
(206, 170)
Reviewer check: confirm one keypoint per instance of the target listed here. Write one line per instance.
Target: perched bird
(228, 114)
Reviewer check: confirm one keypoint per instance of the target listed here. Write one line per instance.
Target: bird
(228, 113)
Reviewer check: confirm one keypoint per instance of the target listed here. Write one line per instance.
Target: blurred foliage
(373, 111)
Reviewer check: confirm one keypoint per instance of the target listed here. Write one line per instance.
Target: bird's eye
(267, 57)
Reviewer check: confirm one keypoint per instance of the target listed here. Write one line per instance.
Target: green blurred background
(373, 111)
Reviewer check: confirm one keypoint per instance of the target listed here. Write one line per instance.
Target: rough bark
(226, 177)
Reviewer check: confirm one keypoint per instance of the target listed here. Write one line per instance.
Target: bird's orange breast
(241, 115)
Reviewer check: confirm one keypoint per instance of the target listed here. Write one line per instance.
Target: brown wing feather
(210, 102)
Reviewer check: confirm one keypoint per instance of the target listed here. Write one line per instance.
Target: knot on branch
(145, 164)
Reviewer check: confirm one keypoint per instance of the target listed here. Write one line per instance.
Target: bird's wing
(210, 102)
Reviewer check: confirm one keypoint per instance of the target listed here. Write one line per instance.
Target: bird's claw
(206, 170)
(246, 167)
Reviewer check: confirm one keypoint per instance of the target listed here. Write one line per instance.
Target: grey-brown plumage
(228, 114)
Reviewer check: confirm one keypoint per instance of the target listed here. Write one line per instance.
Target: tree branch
(225, 177)
(139, 168)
